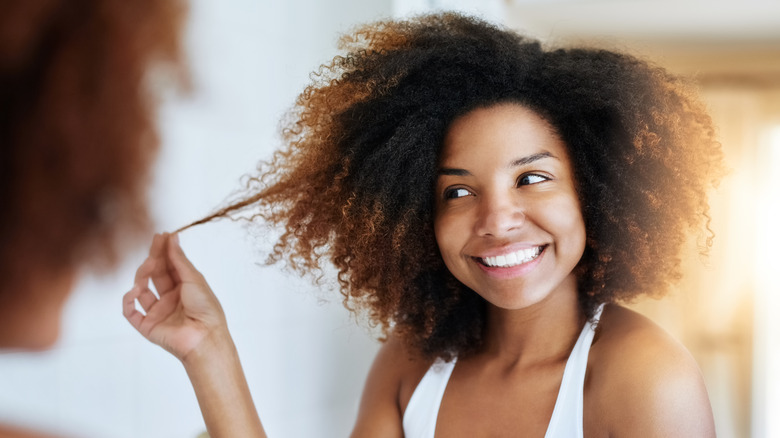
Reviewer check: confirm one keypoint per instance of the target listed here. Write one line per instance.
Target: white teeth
(514, 258)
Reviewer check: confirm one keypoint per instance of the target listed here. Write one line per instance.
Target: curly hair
(78, 128)
(355, 183)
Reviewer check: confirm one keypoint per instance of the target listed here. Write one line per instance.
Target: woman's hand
(186, 319)
(184, 312)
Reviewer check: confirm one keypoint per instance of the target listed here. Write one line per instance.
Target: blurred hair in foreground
(78, 83)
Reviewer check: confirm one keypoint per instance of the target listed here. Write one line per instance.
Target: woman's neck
(543, 331)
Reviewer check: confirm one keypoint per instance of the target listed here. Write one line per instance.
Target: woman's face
(508, 220)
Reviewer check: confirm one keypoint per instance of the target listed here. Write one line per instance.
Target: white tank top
(566, 422)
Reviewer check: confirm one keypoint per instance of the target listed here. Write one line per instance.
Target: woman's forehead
(508, 129)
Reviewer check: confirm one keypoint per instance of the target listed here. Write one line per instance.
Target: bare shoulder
(393, 376)
(643, 382)
(7, 431)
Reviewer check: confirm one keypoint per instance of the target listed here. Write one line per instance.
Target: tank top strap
(567, 417)
(419, 419)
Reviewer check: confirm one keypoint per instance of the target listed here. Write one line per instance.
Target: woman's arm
(221, 388)
(186, 319)
(388, 388)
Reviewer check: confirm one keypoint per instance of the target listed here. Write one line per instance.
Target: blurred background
(305, 357)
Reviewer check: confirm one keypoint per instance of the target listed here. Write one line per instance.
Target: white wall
(491, 10)
(305, 360)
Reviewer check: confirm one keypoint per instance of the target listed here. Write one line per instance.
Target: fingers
(163, 275)
(181, 264)
(157, 249)
(144, 272)
(160, 269)
(147, 299)
(133, 316)
(167, 267)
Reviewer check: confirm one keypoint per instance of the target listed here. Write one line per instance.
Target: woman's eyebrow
(453, 171)
(531, 158)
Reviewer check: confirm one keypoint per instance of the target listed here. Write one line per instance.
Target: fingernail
(175, 238)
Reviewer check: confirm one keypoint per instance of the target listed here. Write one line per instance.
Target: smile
(513, 258)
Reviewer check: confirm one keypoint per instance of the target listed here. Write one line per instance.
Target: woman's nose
(498, 215)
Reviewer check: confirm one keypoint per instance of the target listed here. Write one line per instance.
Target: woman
(78, 137)
(77, 127)
(487, 202)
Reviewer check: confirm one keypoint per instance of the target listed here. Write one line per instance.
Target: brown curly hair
(355, 183)
(78, 128)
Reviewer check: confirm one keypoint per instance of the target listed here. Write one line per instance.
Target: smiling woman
(515, 232)
(487, 202)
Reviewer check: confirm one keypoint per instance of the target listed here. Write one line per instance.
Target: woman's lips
(511, 264)
(513, 258)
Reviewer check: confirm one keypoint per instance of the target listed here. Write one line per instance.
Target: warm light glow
(768, 299)
(769, 214)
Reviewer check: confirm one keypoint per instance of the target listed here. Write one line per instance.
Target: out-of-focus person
(79, 87)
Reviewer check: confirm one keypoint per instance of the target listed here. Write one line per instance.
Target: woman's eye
(456, 193)
(531, 178)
